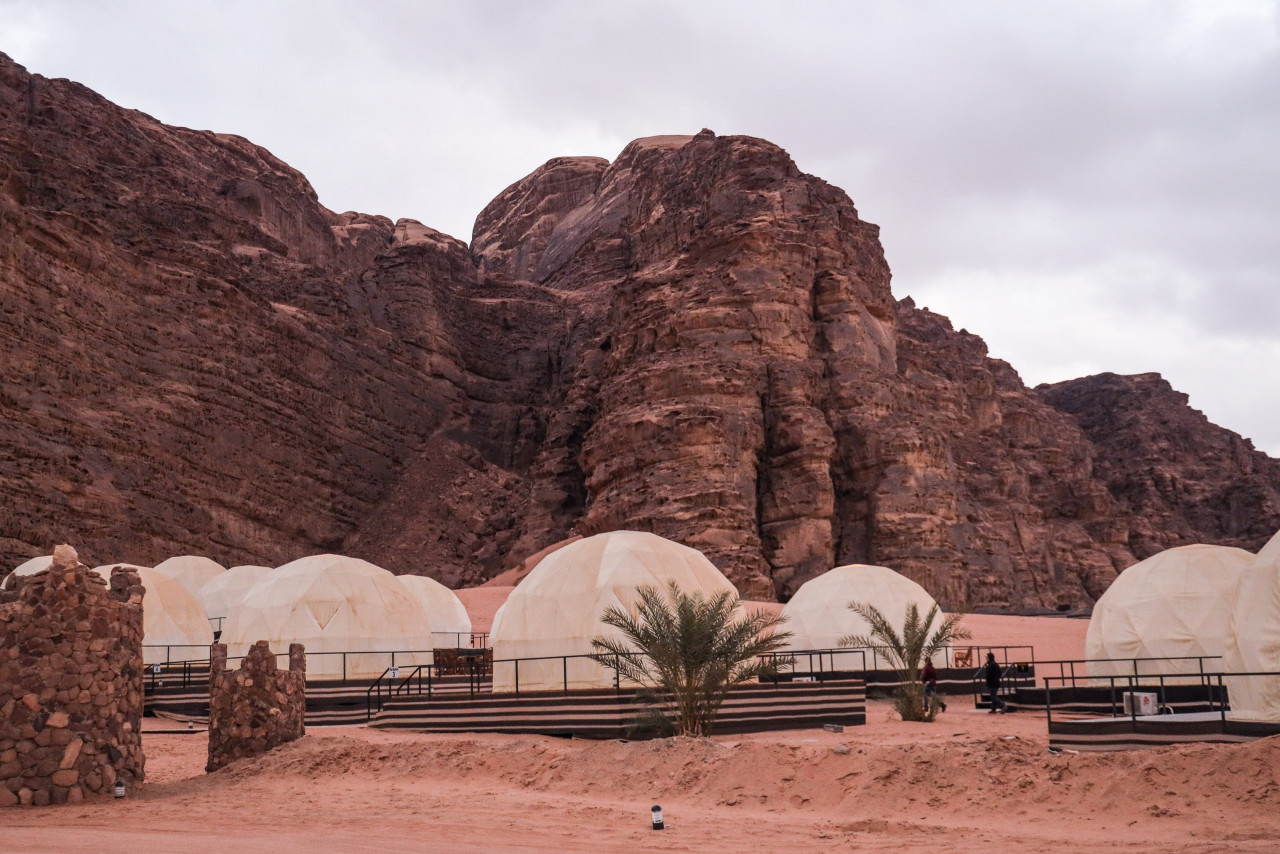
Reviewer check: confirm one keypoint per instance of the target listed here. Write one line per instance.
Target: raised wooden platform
(1128, 733)
(610, 713)
(328, 703)
(1105, 700)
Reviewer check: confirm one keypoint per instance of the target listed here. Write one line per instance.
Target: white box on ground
(1140, 703)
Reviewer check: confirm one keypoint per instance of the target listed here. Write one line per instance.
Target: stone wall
(70, 683)
(255, 708)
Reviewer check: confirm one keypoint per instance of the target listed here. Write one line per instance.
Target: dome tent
(31, 567)
(450, 623)
(174, 627)
(1173, 604)
(223, 591)
(192, 571)
(332, 604)
(555, 610)
(818, 615)
(1254, 645)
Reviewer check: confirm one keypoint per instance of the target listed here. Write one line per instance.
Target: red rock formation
(696, 339)
(1183, 479)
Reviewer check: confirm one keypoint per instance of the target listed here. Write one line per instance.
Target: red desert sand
(969, 782)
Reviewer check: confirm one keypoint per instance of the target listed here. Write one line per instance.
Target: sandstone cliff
(1182, 479)
(695, 339)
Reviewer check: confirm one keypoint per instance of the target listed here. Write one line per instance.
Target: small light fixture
(657, 818)
(119, 788)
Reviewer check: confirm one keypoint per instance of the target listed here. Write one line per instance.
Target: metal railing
(1067, 667)
(821, 664)
(1134, 683)
(460, 640)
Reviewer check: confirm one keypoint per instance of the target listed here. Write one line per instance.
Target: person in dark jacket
(991, 670)
(929, 676)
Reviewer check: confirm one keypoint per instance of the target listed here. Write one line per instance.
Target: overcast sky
(1089, 186)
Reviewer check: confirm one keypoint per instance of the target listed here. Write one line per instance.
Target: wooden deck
(1128, 733)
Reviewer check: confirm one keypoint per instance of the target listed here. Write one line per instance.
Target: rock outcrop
(696, 339)
(70, 683)
(1180, 478)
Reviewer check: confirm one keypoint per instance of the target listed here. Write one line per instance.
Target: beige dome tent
(818, 615)
(332, 604)
(555, 610)
(222, 592)
(31, 567)
(174, 627)
(1255, 639)
(1173, 604)
(192, 571)
(450, 623)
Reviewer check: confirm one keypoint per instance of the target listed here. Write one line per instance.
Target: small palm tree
(908, 651)
(689, 650)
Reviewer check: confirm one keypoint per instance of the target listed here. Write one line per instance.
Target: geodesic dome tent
(1174, 604)
(174, 627)
(450, 623)
(1254, 645)
(555, 611)
(223, 592)
(332, 604)
(31, 567)
(192, 571)
(818, 615)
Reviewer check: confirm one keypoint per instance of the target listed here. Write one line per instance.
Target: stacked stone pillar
(255, 708)
(70, 683)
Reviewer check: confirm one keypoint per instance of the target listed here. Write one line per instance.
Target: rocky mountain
(695, 339)
(1183, 479)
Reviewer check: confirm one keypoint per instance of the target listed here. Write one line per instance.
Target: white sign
(395, 673)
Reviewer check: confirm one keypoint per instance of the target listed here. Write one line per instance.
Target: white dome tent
(1255, 639)
(1174, 604)
(192, 571)
(555, 610)
(31, 567)
(450, 623)
(223, 592)
(818, 615)
(174, 627)
(332, 604)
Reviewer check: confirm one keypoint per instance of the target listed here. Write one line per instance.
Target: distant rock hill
(696, 339)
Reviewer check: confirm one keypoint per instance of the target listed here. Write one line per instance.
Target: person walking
(991, 670)
(930, 678)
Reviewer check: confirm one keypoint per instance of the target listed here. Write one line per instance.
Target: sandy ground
(970, 782)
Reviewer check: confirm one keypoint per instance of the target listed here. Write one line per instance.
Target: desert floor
(969, 782)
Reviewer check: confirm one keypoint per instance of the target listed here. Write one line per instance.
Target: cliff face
(696, 339)
(1181, 478)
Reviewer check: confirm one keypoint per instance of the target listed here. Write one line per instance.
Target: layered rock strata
(70, 683)
(695, 339)
(257, 707)
(1181, 478)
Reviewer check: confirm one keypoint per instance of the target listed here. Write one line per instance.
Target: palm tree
(689, 650)
(908, 651)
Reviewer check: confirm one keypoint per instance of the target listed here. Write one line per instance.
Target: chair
(962, 657)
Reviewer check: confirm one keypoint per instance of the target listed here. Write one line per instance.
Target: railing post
(565, 662)
(517, 663)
